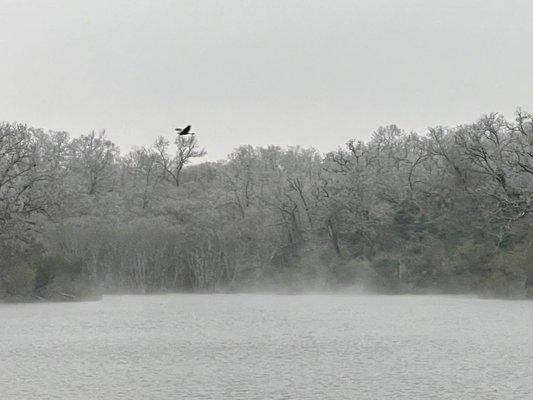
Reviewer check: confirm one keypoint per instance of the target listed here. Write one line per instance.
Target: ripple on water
(267, 347)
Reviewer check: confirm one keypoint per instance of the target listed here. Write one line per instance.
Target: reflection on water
(267, 347)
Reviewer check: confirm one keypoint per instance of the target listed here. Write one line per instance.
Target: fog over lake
(251, 346)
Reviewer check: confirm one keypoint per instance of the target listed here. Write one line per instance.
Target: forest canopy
(447, 211)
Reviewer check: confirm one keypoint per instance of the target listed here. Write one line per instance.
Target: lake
(248, 346)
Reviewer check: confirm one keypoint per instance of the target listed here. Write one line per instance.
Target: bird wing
(184, 131)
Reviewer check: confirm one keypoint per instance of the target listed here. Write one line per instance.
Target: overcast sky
(310, 72)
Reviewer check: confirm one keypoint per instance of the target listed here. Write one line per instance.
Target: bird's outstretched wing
(184, 131)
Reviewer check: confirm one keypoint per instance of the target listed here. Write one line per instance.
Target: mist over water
(267, 346)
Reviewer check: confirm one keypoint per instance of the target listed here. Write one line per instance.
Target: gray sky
(283, 72)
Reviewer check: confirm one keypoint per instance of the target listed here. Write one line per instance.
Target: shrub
(17, 271)
(508, 274)
(387, 270)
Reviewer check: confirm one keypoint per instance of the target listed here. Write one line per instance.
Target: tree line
(447, 211)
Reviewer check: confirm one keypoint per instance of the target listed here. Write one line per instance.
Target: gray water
(268, 347)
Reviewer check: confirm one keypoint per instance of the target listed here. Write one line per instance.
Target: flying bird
(184, 131)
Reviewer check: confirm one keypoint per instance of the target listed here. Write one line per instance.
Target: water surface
(268, 347)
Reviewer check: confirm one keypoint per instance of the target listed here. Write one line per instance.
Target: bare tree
(93, 156)
(185, 149)
(19, 176)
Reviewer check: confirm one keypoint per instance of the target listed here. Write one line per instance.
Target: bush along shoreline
(30, 274)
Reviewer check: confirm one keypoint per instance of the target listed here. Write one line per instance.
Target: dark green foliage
(17, 271)
(54, 272)
(27, 272)
(388, 272)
